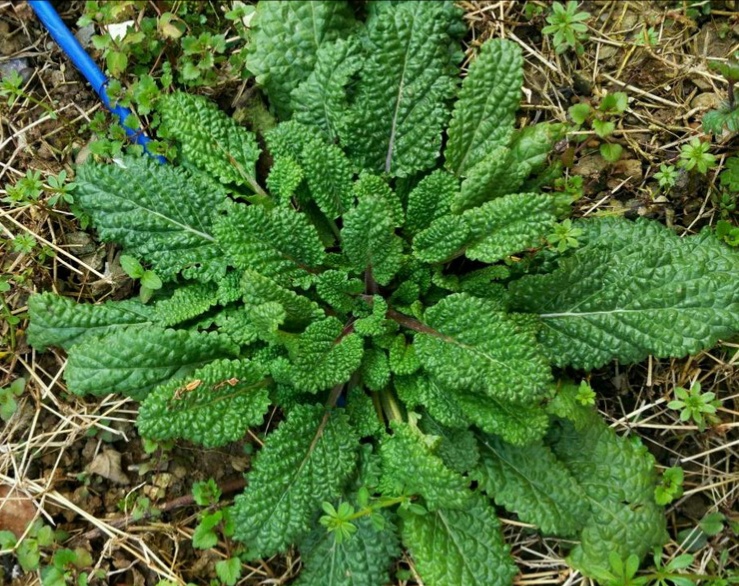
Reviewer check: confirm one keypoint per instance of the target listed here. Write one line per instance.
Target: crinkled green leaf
(410, 467)
(461, 547)
(496, 175)
(338, 290)
(305, 462)
(444, 239)
(59, 321)
(369, 239)
(488, 233)
(457, 448)
(430, 199)
(284, 178)
(230, 397)
(484, 114)
(362, 560)
(517, 424)
(618, 479)
(508, 225)
(631, 290)
(285, 40)
(321, 357)
(134, 361)
(187, 302)
(482, 350)
(320, 101)
(362, 413)
(423, 391)
(280, 244)
(400, 109)
(158, 213)
(375, 369)
(298, 311)
(210, 140)
(531, 482)
(328, 173)
(531, 145)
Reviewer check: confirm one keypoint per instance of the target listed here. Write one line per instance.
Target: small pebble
(20, 65)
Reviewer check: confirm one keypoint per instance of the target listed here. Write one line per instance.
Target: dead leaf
(17, 511)
(108, 465)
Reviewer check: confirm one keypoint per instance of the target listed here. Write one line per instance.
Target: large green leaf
(210, 140)
(459, 547)
(59, 321)
(370, 241)
(484, 114)
(631, 290)
(400, 109)
(285, 40)
(618, 478)
(280, 244)
(410, 467)
(304, 463)
(480, 349)
(134, 361)
(532, 483)
(159, 213)
(213, 406)
(320, 101)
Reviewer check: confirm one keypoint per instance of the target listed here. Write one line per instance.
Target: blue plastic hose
(87, 67)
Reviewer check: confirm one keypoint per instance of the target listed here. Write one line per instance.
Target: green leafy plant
(600, 119)
(671, 486)
(28, 550)
(695, 155)
(696, 405)
(216, 523)
(388, 286)
(567, 27)
(666, 176)
(8, 396)
(150, 282)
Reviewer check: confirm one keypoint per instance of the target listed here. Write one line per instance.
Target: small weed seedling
(567, 27)
(601, 120)
(695, 156)
(695, 405)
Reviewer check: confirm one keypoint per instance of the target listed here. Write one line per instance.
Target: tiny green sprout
(26, 190)
(667, 575)
(648, 37)
(727, 232)
(666, 176)
(206, 493)
(611, 152)
(695, 405)
(60, 189)
(8, 396)
(566, 26)
(24, 243)
(339, 521)
(229, 570)
(671, 486)
(150, 282)
(614, 104)
(580, 112)
(564, 236)
(695, 155)
(585, 394)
